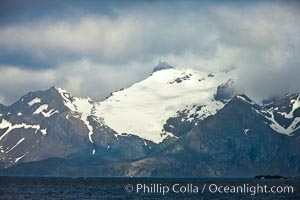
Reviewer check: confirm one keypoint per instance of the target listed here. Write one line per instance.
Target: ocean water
(147, 188)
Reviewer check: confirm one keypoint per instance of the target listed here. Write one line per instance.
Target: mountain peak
(59, 89)
(162, 65)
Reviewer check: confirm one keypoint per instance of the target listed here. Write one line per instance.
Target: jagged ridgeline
(176, 122)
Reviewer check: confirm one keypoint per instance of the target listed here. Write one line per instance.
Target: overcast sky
(92, 48)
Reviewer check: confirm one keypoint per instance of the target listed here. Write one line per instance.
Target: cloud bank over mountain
(94, 48)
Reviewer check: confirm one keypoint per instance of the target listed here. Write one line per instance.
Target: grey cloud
(99, 53)
(86, 78)
(81, 78)
(266, 39)
(15, 82)
(109, 40)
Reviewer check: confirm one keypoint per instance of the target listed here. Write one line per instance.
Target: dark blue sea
(147, 188)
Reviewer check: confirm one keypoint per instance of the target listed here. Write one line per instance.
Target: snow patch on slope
(19, 142)
(295, 121)
(84, 118)
(246, 100)
(295, 105)
(43, 108)
(34, 101)
(268, 114)
(7, 125)
(40, 109)
(81, 106)
(246, 130)
(280, 129)
(19, 158)
(44, 131)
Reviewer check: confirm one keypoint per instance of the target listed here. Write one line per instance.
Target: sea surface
(147, 188)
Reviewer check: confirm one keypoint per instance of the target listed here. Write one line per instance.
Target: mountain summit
(161, 66)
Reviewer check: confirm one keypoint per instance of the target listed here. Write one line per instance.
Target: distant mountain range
(175, 123)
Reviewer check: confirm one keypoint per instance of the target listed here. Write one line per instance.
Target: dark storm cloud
(86, 46)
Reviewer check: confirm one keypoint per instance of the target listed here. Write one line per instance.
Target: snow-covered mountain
(53, 123)
(132, 123)
(144, 108)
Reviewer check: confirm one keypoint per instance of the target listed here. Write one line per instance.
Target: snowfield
(144, 108)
